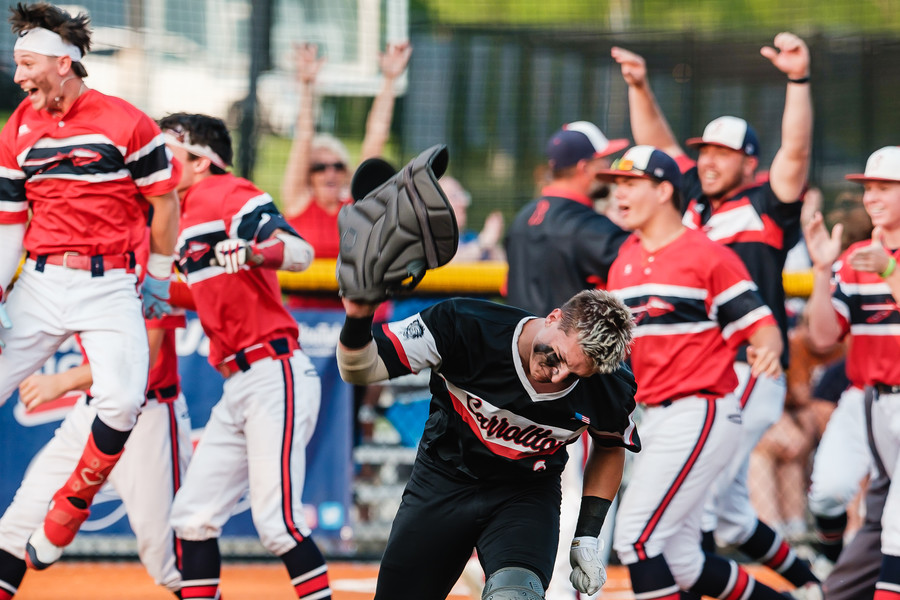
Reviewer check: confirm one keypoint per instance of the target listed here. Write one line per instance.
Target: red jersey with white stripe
(84, 175)
(867, 310)
(694, 304)
(754, 223)
(241, 309)
(486, 421)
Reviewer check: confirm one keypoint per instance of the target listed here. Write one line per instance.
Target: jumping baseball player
(146, 478)
(88, 167)
(690, 319)
(761, 222)
(509, 391)
(231, 242)
(863, 304)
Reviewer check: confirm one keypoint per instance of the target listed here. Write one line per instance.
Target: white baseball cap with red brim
(883, 165)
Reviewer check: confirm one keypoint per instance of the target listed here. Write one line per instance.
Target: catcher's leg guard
(70, 506)
(513, 583)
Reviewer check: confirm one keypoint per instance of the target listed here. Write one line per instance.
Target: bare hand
(764, 361)
(634, 68)
(38, 389)
(307, 63)
(492, 231)
(359, 309)
(872, 258)
(394, 59)
(790, 55)
(823, 249)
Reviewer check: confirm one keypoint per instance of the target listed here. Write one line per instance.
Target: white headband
(46, 42)
(196, 149)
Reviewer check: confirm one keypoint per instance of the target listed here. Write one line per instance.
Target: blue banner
(327, 491)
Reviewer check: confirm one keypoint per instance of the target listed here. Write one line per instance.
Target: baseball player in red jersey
(232, 241)
(761, 222)
(690, 319)
(863, 304)
(148, 474)
(88, 167)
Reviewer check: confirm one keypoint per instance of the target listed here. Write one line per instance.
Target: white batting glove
(588, 573)
(232, 254)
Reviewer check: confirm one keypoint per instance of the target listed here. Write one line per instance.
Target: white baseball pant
(886, 433)
(255, 438)
(842, 458)
(728, 510)
(47, 307)
(685, 446)
(155, 458)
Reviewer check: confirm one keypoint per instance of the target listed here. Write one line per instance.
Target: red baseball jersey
(867, 310)
(694, 304)
(241, 309)
(85, 175)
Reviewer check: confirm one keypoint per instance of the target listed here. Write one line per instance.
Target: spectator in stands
(316, 180)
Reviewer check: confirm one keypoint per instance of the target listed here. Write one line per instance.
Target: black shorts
(442, 518)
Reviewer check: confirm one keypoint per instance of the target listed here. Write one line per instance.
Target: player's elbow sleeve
(361, 367)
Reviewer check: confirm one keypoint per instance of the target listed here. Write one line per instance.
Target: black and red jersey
(867, 310)
(557, 246)
(486, 421)
(758, 226)
(241, 309)
(85, 175)
(690, 315)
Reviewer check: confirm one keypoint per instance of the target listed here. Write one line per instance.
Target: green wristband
(892, 264)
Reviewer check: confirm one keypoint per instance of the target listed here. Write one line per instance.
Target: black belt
(883, 389)
(166, 394)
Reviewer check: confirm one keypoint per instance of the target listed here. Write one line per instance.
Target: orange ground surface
(245, 581)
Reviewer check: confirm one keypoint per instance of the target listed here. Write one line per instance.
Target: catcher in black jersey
(509, 391)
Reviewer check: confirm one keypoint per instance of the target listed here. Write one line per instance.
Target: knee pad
(513, 583)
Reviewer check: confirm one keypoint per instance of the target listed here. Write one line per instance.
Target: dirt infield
(246, 581)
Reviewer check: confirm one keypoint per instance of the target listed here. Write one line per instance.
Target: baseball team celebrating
(665, 316)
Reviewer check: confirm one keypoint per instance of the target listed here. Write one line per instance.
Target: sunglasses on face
(319, 167)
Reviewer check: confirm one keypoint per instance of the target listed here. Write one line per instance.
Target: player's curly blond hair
(74, 30)
(604, 325)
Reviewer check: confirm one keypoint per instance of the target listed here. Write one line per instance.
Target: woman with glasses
(317, 179)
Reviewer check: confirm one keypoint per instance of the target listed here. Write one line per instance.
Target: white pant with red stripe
(48, 307)
(155, 458)
(684, 447)
(728, 509)
(255, 439)
(886, 433)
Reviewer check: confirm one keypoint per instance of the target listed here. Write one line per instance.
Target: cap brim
(697, 142)
(612, 147)
(612, 174)
(862, 178)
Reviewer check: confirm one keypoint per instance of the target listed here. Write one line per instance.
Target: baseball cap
(580, 140)
(645, 162)
(729, 132)
(883, 165)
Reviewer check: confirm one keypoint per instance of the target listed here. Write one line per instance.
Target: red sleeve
(685, 163)
(180, 296)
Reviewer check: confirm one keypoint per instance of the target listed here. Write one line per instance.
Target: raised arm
(824, 327)
(357, 353)
(648, 123)
(790, 167)
(874, 258)
(378, 124)
(295, 193)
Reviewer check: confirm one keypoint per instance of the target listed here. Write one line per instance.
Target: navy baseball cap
(645, 162)
(580, 140)
(729, 132)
